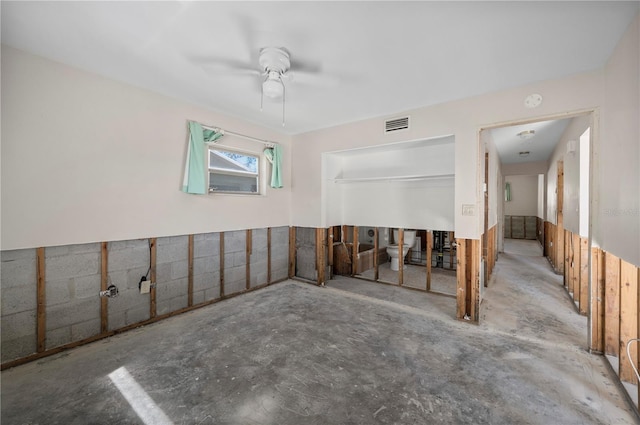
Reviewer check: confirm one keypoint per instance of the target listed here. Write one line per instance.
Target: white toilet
(392, 250)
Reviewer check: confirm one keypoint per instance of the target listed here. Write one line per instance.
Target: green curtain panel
(507, 192)
(195, 173)
(274, 155)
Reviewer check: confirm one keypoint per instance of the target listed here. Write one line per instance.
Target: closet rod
(242, 136)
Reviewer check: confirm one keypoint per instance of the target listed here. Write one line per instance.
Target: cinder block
(239, 259)
(198, 297)
(132, 255)
(15, 326)
(56, 251)
(13, 349)
(235, 241)
(279, 274)
(163, 273)
(205, 265)
(234, 286)
(87, 286)
(168, 290)
(172, 249)
(18, 299)
(172, 304)
(128, 299)
(77, 311)
(59, 291)
(76, 265)
(205, 281)
(58, 337)
(206, 244)
(18, 268)
(138, 314)
(213, 293)
(134, 275)
(179, 270)
(116, 320)
(84, 330)
(173, 240)
(85, 248)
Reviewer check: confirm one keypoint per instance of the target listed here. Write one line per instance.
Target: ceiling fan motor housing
(275, 62)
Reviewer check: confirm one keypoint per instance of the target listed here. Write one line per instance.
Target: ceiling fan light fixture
(526, 134)
(272, 88)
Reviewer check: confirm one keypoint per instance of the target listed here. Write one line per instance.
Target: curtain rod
(242, 136)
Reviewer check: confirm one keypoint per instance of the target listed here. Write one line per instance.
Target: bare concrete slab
(294, 353)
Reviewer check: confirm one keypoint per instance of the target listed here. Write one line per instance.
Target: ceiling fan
(274, 66)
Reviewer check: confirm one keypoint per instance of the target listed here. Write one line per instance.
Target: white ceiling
(541, 145)
(374, 58)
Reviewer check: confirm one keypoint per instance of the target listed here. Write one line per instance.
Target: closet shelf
(413, 177)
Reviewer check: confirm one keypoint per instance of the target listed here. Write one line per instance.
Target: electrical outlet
(145, 287)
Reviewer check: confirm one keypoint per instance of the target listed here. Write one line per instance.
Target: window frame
(259, 174)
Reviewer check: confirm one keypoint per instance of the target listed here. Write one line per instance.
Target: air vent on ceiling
(396, 124)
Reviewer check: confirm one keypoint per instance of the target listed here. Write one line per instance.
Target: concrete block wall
(72, 275)
(172, 274)
(206, 267)
(127, 262)
(306, 253)
(279, 253)
(18, 288)
(259, 257)
(235, 271)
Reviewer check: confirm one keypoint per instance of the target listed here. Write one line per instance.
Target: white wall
(616, 218)
(541, 196)
(524, 196)
(89, 159)
(463, 119)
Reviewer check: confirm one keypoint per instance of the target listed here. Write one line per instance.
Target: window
(233, 172)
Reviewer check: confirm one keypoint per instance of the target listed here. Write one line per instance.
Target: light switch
(468, 209)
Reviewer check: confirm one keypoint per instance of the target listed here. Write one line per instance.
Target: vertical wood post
(221, 264)
(354, 252)
(560, 220)
(321, 265)
(400, 256)
(597, 300)
(190, 277)
(612, 305)
(428, 253)
(376, 256)
(292, 252)
(330, 251)
(248, 242)
(584, 276)
(575, 266)
(104, 279)
(153, 246)
(41, 302)
(461, 280)
(268, 255)
(628, 319)
(567, 261)
(474, 310)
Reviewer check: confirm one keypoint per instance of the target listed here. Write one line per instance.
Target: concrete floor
(355, 352)
(415, 276)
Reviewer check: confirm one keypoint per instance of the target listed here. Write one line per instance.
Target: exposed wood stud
(354, 252)
(292, 252)
(190, 277)
(104, 279)
(376, 257)
(41, 301)
(597, 300)
(584, 275)
(249, 249)
(612, 305)
(575, 266)
(221, 264)
(559, 258)
(461, 280)
(320, 255)
(474, 308)
(330, 241)
(400, 256)
(628, 319)
(428, 253)
(343, 233)
(269, 255)
(567, 261)
(153, 248)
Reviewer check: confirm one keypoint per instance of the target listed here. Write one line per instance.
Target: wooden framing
(104, 279)
(221, 264)
(474, 279)
(153, 249)
(628, 319)
(429, 249)
(41, 302)
(612, 305)
(461, 280)
(584, 276)
(376, 259)
(596, 318)
(354, 252)
(321, 263)
(190, 277)
(292, 252)
(269, 255)
(575, 266)
(248, 243)
(330, 251)
(567, 261)
(400, 256)
(559, 258)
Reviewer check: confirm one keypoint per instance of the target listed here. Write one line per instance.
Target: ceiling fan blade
(225, 66)
(306, 66)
